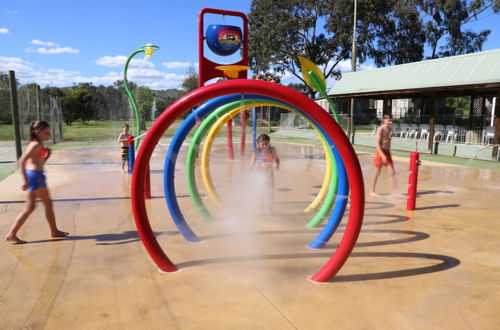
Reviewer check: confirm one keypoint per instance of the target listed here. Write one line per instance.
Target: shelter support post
(350, 123)
(387, 107)
(496, 137)
(432, 101)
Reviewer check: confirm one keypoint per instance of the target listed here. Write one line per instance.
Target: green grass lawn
(89, 131)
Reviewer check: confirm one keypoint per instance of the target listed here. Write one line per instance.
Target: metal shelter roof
(475, 72)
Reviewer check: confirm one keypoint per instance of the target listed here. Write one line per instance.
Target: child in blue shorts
(31, 166)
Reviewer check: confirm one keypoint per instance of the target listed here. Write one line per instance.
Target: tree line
(388, 32)
(85, 102)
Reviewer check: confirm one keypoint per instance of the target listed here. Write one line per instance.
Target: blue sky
(60, 43)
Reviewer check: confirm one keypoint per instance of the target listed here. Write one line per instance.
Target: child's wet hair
(37, 126)
(263, 137)
(125, 125)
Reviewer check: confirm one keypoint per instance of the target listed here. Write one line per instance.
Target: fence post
(412, 181)
(15, 112)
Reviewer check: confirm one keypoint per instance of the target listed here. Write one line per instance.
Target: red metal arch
(260, 87)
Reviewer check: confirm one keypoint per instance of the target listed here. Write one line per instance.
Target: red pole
(243, 132)
(229, 128)
(412, 181)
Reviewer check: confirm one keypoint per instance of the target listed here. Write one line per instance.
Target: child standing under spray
(264, 158)
(31, 166)
(123, 139)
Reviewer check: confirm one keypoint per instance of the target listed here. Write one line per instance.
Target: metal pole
(15, 112)
(353, 68)
(493, 111)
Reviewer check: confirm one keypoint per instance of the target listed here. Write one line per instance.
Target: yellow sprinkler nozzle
(148, 50)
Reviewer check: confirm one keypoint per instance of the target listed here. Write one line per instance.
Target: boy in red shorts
(383, 155)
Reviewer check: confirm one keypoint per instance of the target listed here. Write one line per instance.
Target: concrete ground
(434, 268)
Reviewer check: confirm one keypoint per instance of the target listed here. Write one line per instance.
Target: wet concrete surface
(435, 268)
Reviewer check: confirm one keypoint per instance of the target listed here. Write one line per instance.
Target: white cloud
(345, 66)
(177, 65)
(57, 50)
(4, 30)
(16, 64)
(28, 72)
(119, 61)
(11, 11)
(44, 43)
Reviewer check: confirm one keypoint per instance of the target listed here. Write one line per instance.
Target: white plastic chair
(413, 131)
(438, 132)
(451, 133)
(396, 130)
(404, 130)
(424, 131)
(489, 134)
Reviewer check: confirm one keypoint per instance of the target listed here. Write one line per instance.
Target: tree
(399, 35)
(163, 104)
(144, 98)
(78, 105)
(302, 88)
(460, 104)
(387, 31)
(5, 113)
(446, 19)
(320, 30)
(190, 82)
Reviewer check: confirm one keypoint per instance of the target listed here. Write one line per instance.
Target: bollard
(412, 181)
(436, 147)
(131, 154)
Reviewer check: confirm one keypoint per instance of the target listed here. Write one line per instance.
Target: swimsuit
(42, 153)
(36, 179)
(378, 159)
(124, 154)
(264, 159)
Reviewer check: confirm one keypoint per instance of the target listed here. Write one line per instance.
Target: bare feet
(14, 240)
(399, 196)
(374, 194)
(59, 233)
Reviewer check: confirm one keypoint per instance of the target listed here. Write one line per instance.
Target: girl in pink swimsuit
(264, 158)
(31, 167)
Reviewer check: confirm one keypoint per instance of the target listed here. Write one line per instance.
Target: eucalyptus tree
(320, 30)
(445, 21)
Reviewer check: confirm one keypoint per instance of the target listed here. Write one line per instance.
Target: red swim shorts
(378, 160)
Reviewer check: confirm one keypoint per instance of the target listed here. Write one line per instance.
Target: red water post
(229, 129)
(412, 181)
